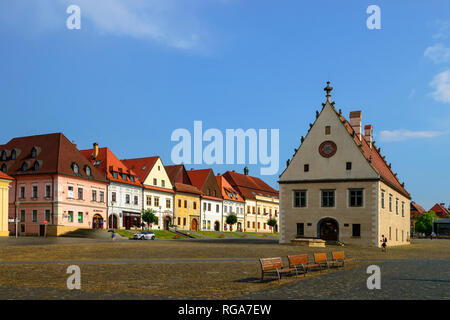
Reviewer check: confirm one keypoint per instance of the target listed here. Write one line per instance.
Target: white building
(233, 203)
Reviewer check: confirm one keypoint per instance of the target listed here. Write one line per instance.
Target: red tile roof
(249, 187)
(228, 192)
(375, 159)
(141, 166)
(187, 188)
(440, 210)
(177, 173)
(108, 163)
(5, 176)
(159, 189)
(415, 207)
(198, 177)
(55, 154)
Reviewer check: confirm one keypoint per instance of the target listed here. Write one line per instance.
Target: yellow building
(186, 200)
(5, 182)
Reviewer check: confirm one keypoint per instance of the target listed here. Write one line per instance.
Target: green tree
(424, 223)
(149, 217)
(231, 219)
(273, 223)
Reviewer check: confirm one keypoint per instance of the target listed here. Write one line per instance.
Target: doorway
(328, 229)
(216, 226)
(194, 224)
(113, 221)
(97, 221)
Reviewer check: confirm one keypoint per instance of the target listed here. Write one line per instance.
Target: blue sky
(137, 70)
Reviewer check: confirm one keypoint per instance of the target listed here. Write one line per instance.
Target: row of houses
(54, 188)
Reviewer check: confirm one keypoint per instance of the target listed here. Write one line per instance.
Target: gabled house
(53, 182)
(124, 196)
(261, 200)
(440, 210)
(338, 186)
(186, 200)
(233, 203)
(211, 202)
(5, 182)
(415, 212)
(158, 193)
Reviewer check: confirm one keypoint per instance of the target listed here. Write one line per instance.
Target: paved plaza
(32, 268)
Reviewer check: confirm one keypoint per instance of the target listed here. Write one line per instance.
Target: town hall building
(338, 186)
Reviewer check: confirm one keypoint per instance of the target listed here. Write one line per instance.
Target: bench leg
(279, 276)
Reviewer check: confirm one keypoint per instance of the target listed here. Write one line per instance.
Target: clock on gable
(327, 149)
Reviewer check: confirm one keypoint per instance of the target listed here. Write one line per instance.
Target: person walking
(383, 243)
(113, 236)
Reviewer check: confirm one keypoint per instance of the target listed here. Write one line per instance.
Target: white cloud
(443, 29)
(438, 53)
(175, 23)
(402, 134)
(441, 85)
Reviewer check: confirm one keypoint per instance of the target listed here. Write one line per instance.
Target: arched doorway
(328, 229)
(167, 222)
(194, 224)
(239, 226)
(97, 221)
(113, 221)
(216, 226)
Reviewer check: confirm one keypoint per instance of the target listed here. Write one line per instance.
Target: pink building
(55, 183)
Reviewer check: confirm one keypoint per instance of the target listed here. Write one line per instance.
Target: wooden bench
(321, 259)
(274, 266)
(339, 258)
(301, 263)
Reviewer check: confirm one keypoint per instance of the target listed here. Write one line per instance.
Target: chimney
(74, 144)
(368, 134)
(246, 171)
(355, 122)
(95, 150)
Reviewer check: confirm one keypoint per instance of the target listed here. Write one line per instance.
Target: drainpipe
(16, 206)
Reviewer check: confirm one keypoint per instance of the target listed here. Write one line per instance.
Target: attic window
(97, 163)
(36, 166)
(88, 170)
(348, 166)
(327, 130)
(13, 155)
(33, 153)
(115, 175)
(306, 167)
(75, 168)
(144, 167)
(3, 168)
(132, 178)
(124, 176)
(3, 155)
(24, 166)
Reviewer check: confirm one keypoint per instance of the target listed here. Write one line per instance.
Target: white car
(144, 235)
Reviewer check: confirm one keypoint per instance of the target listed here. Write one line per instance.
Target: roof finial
(328, 89)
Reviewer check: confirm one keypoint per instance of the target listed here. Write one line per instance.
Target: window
(248, 209)
(115, 175)
(300, 229)
(34, 192)
(113, 197)
(195, 205)
(149, 200)
(70, 192)
(34, 216)
(136, 200)
(127, 199)
(70, 216)
(87, 169)
(48, 191)
(403, 209)
(382, 199)
(24, 166)
(306, 167)
(80, 193)
(132, 178)
(217, 208)
(396, 206)
(22, 192)
(22, 228)
(390, 233)
(356, 198)
(327, 198)
(396, 234)
(184, 221)
(156, 201)
(390, 203)
(33, 153)
(94, 195)
(163, 183)
(47, 215)
(348, 166)
(80, 217)
(356, 230)
(209, 206)
(3, 155)
(179, 221)
(22, 215)
(155, 182)
(124, 176)
(225, 209)
(75, 168)
(13, 155)
(327, 130)
(185, 203)
(102, 196)
(300, 198)
(179, 204)
(402, 236)
(168, 203)
(204, 206)
(4, 168)
(259, 210)
(36, 166)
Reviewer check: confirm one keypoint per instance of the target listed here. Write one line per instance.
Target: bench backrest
(298, 259)
(320, 257)
(338, 255)
(271, 263)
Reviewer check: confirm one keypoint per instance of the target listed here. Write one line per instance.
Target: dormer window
(24, 167)
(13, 155)
(327, 130)
(3, 168)
(34, 153)
(124, 176)
(115, 175)
(132, 178)
(87, 169)
(3, 155)
(36, 166)
(75, 168)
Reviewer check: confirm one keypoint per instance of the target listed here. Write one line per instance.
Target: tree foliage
(272, 222)
(424, 223)
(231, 219)
(149, 216)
